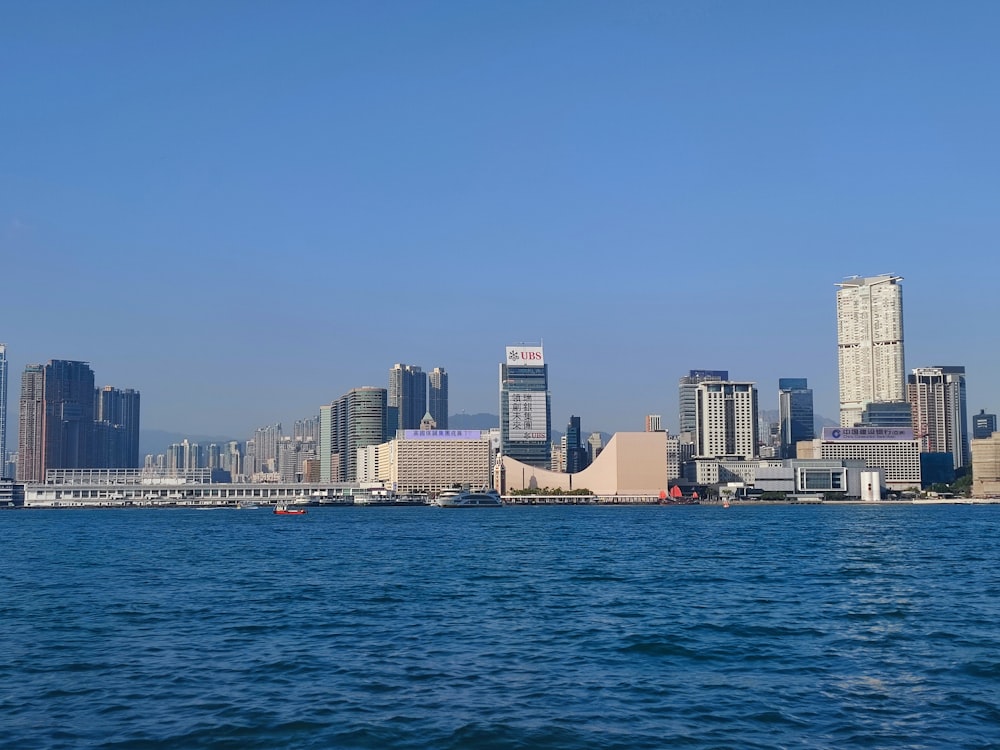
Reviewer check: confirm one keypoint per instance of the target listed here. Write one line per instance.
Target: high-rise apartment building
(355, 420)
(983, 425)
(68, 425)
(408, 394)
(940, 419)
(525, 406)
(3, 410)
(437, 381)
(687, 395)
(795, 414)
(727, 419)
(117, 412)
(869, 344)
(31, 421)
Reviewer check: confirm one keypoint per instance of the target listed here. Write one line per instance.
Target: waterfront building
(726, 419)
(3, 412)
(687, 396)
(795, 414)
(983, 425)
(633, 465)
(869, 344)
(986, 466)
(940, 417)
(892, 449)
(887, 414)
(434, 460)
(407, 393)
(525, 406)
(437, 401)
(31, 417)
(654, 423)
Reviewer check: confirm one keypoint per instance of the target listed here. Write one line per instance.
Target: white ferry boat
(469, 499)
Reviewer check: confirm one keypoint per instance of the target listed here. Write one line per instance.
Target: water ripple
(573, 627)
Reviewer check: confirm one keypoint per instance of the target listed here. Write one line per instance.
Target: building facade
(983, 425)
(869, 344)
(408, 394)
(986, 466)
(795, 414)
(437, 397)
(893, 450)
(940, 417)
(116, 411)
(67, 439)
(355, 420)
(31, 420)
(726, 419)
(433, 460)
(525, 406)
(887, 414)
(687, 396)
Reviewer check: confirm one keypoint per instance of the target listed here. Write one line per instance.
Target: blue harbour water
(521, 627)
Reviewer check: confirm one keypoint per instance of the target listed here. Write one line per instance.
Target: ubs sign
(525, 356)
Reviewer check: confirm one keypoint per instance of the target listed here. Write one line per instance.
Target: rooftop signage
(854, 434)
(525, 356)
(442, 434)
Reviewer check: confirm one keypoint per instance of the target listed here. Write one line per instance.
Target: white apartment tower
(727, 419)
(869, 344)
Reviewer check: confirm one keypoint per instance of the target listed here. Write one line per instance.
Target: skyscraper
(983, 425)
(687, 398)
(577, 456)
(795, 414)
(437, 381)
(119, 410)
(940, 420)
(355, 420)
(31, 420)
(408, 393)
(869, 344)
(727, 419)
(68, 426)
(3, 410)
(525, 406)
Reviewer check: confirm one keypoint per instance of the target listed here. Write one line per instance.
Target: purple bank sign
(854, 434)
(441, 434)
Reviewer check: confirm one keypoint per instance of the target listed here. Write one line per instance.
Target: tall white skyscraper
(727, 419)
(869, 344)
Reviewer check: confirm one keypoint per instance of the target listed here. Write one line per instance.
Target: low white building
(434, 460)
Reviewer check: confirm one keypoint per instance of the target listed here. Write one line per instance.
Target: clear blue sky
(245, 209)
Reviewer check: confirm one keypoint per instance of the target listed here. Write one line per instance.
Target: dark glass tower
(795, 414)
(117, 415)
(68, 425)
(525, 407)
(983, 425)
(577, 457)
(408, 393)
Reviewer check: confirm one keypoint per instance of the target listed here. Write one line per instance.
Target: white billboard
(525, 356)
(526, 417)
(867, 433)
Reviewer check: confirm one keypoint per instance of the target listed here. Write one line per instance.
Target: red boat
(284, 510)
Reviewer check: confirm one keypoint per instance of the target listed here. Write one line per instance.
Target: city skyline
(618, 181)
